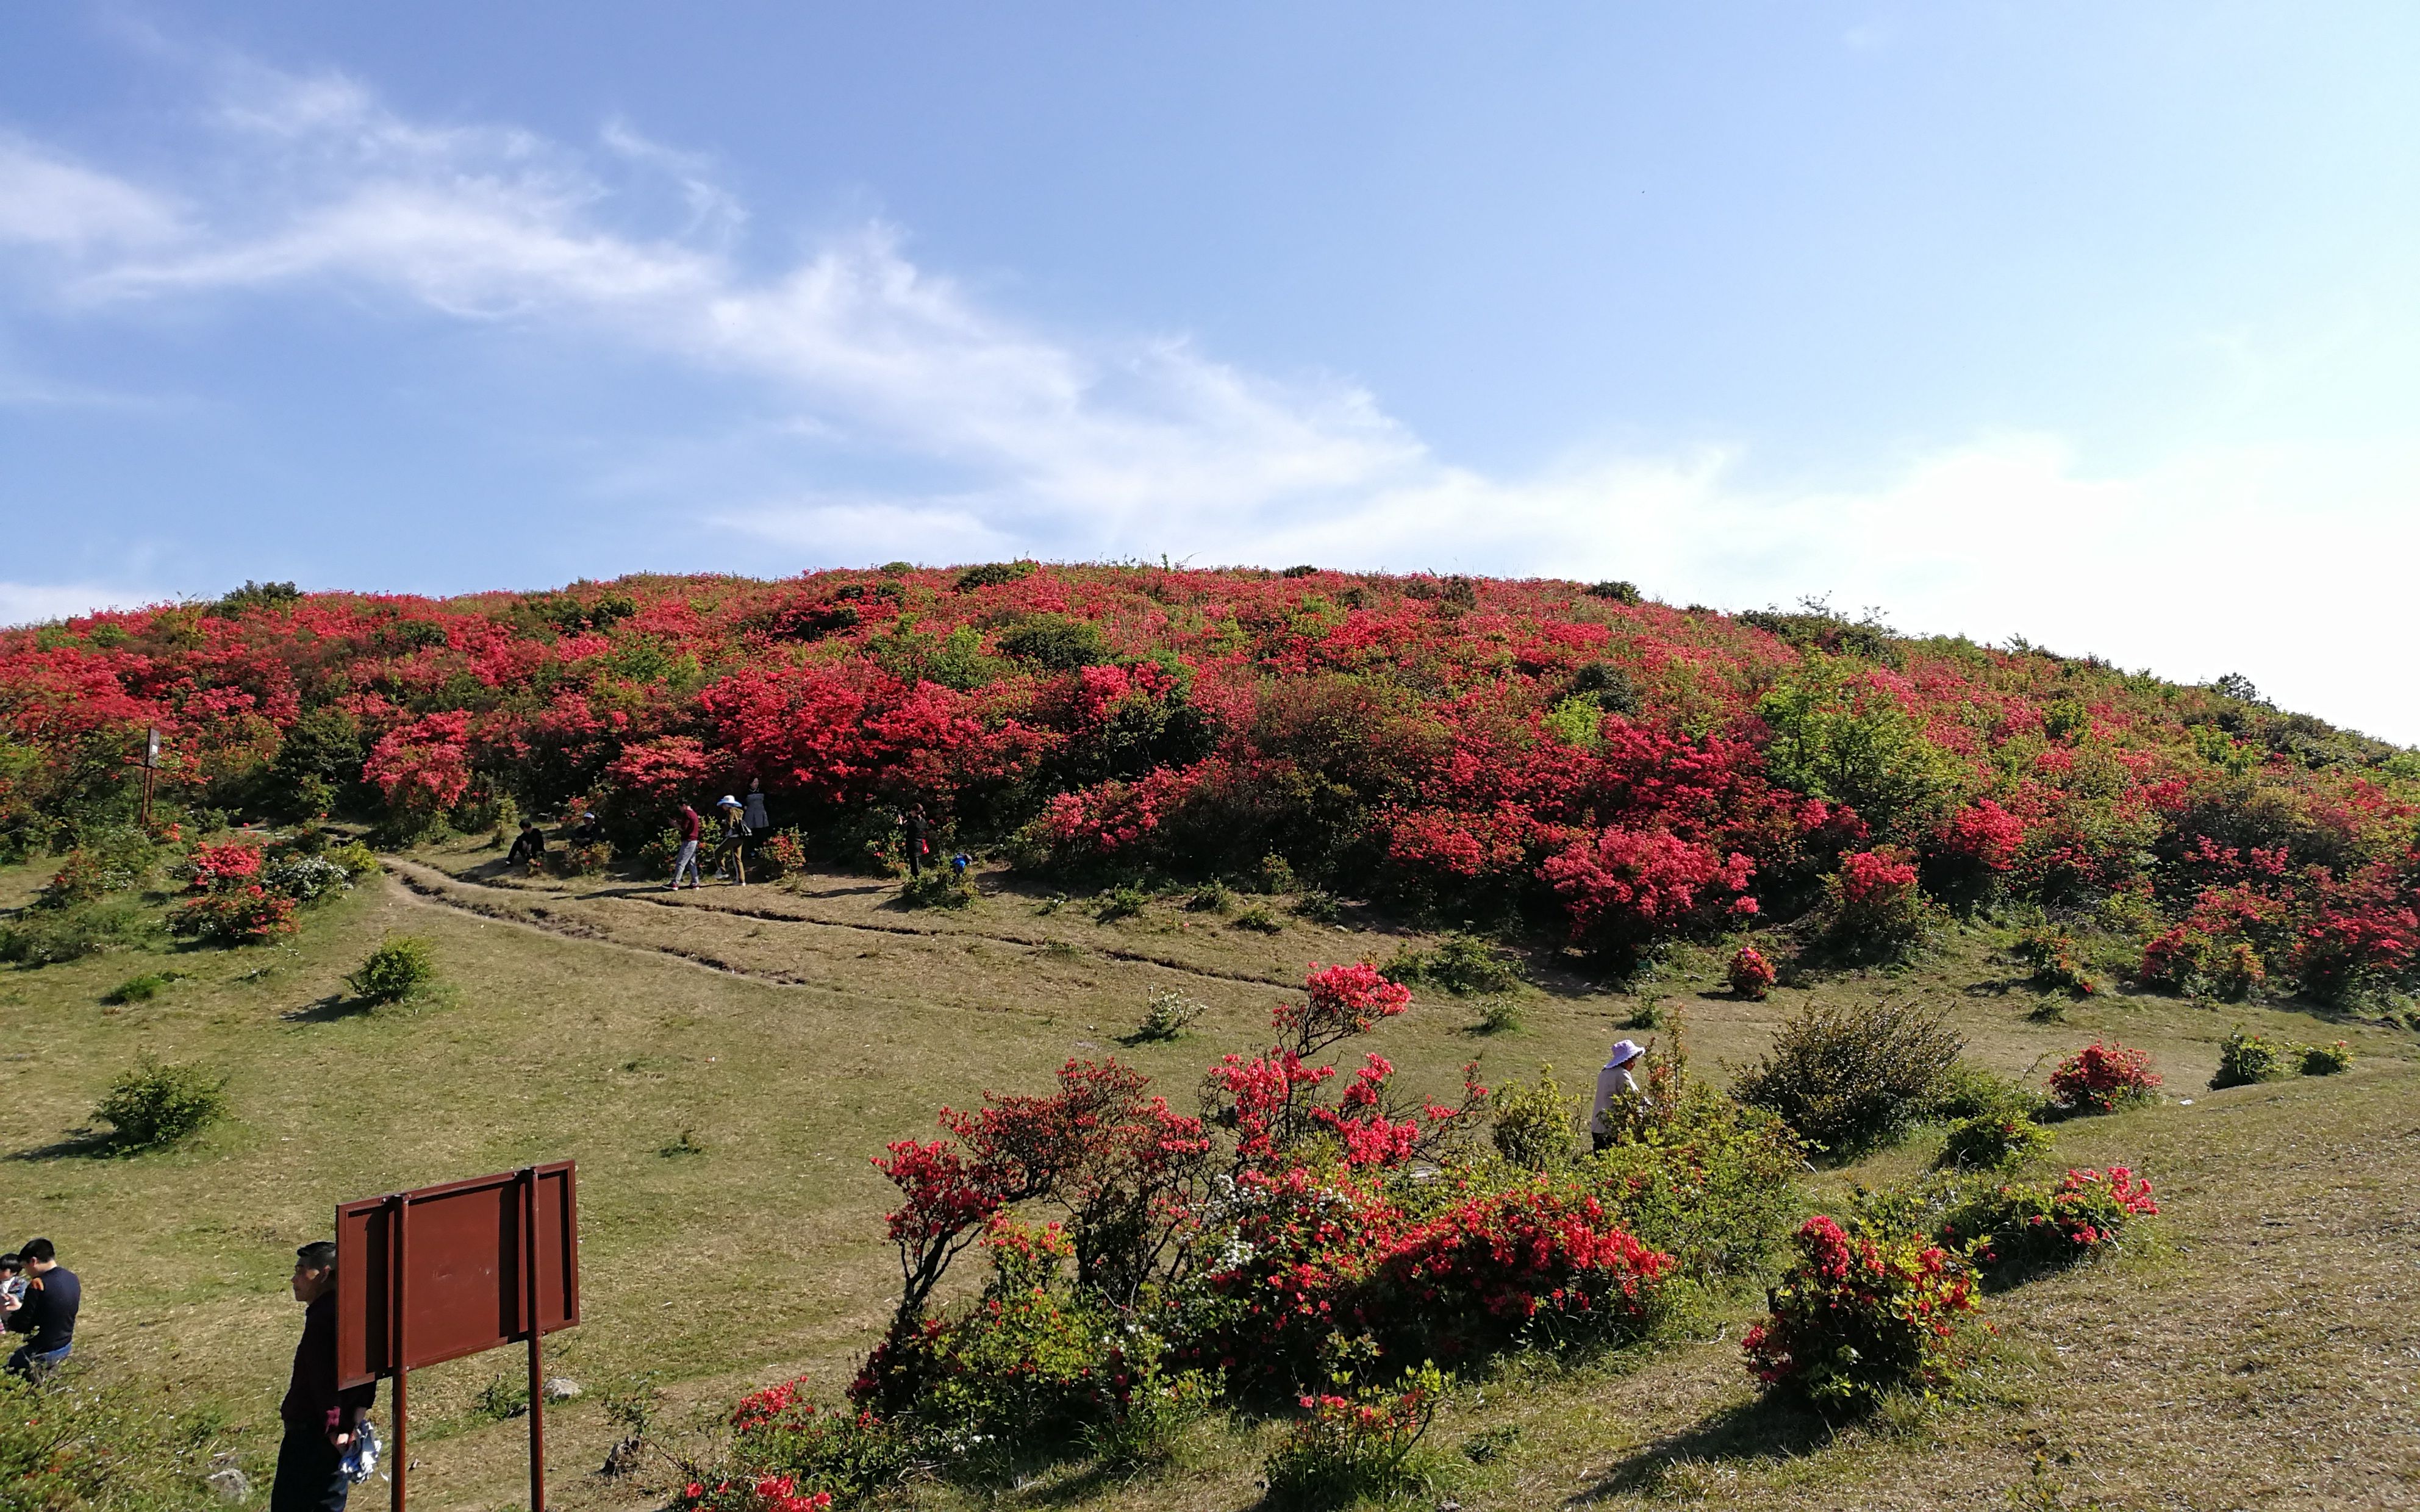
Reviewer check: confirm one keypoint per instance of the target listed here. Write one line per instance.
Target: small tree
(1851, 1078)
(400, 967)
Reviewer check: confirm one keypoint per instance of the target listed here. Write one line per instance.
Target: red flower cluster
(1751, 975)
(2102, 1078)
(1858, 1315)
(762, 1493)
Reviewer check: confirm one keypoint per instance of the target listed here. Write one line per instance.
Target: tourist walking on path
(913, 827)
(321, 1421)
(730, 855)
(692, 828)
(1617, 1093)
(47, 1311)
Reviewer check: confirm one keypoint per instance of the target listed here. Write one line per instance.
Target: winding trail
(560, 914)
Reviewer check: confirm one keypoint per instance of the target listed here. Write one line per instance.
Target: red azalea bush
(2017, 1227)
(248, 913)
(1874, 908)
(762, 1493)
(1750, 974)
(1856, 1317)
(2103, 1078)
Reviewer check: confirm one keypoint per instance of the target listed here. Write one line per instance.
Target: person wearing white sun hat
(1614, 1085)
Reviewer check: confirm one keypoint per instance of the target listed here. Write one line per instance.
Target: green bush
(1123, 901)
(2326, 1059)
(1708, 1181)
(76, 1443)
(139, 989)
(1536, 1126)
(1158, 1409)
(993, 574)
(1210, 897)
(2051, 952)
(1258, 919)
(400, 967)
(1053, 643)
(1993, 1142)
(1320, 908)
(1275, 874)
(1967, 1090)
(156, 1103)
(42, 937)
(2019, 1228)
(1460, 964)
(2244, 1057)
(939, 887)
(1167, 1014)
(1497, 1015)
(1854, 1077)
(1356, 1445)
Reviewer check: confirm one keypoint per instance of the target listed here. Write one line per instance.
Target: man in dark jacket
(319, 1420)
(47, 1312)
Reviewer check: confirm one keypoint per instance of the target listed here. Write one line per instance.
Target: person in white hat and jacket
(1615, 1086)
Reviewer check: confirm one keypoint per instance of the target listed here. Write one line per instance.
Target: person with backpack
(692, 828)
(321, 1422)
(731, 856)
(46, 1311)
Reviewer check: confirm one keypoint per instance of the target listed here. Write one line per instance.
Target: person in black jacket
(319, 1420)
(47, 1311)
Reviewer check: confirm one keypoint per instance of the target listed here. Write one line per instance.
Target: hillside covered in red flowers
(1534, 755)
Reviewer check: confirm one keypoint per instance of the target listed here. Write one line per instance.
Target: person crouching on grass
(319, 1420)
(45, 1309)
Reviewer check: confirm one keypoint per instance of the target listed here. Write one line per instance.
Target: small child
(13, 1278)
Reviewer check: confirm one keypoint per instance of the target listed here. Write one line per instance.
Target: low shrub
(306, 878)
(1993, 1142)
(357, 859)
(751, 1493)
(657, 856)
(76, 1443)
(2326, 1059)
(1461, 963)
(1750, 974)
(1855, 1317)
(582, 860)
(156, 1103)
(1157, 1409)
(1258, 919)
(1873, 910)
(2103, 1078)
(1318, 906)
(1125, 902)
(779, 1433)
(2051, 953)
(1646, 1015)
(782, 855)
(1210, 897)
(402, 966)
(1705, 1179)
(43, 937)
(1854, 1077)
(139, 989)
(2189, 960)
(1969, 1091)
(1496, 1015)
(941, 888)
(248, 913)
(1167, 1014)
(1354, 1443)
(2017, 1229)
(1273, 875)
(2244, 1057)
(1536, 1126)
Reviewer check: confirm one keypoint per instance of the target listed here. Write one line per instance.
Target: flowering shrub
(784, 854)
(2051, 954)
(1993, 1142)
(2245, 1058)
(2326, 1059)
(249, 914)
(1873, 909)
(1855, 1317)
(1751, 975)
(762, 1493)
(2012, 1229)
(225, 865)
(2103, 1078)
(1353, 1443)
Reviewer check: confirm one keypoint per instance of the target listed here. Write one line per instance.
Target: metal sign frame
(444, 1271)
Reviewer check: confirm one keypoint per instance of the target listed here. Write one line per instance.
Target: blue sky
(2089, 323)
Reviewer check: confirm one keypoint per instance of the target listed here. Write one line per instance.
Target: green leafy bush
(1460, 964)
(156, 1103)
(994, 574)
(1053, 643)
(657, 856)
(1968, 1092)
(2018, 1229)
(76, 1443)
(1536, 1125)
(1273, 874)
(139, 989)
(1993, 1142)
(1318, 907)
(42, 937)
(1497, 1015)
(2051, 953)
(1124, 902)
(1210, 897)
(2326, 1059)
(1167, 1014)
(401, 968)
(1854, 1077)
(2244, 1057)
(939, 887)
(1258, 919)
(1706, 1179)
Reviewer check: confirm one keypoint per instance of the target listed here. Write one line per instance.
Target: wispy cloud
(1151, 447)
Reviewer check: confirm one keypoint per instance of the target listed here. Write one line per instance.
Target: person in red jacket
(691, 828)
(319, 1419)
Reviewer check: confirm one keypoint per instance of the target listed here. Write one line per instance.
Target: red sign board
(431, 1275)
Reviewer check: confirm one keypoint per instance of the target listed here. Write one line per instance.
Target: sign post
(433, 1274)
(150, 769)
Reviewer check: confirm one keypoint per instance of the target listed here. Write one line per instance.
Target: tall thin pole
(536, 1381)
(396, 1273)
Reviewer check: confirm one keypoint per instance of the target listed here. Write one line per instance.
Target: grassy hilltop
(1577, 808)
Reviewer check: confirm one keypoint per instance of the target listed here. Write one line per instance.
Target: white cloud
(2287, 565)
(35, 603)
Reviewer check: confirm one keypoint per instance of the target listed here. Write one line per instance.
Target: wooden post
(531, 1294)
(400, 1461)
